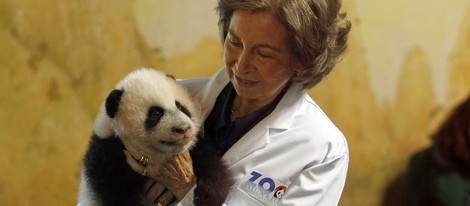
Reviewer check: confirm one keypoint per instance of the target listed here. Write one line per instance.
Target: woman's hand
(177, 174)
(173, 176)
(141, 163)
(159, 195)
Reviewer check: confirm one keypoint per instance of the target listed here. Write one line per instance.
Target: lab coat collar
(211, 90)
(280, 118)
(259, 136)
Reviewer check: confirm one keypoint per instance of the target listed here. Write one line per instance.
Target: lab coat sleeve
(188, 199)
(319, 185)
(193, 85)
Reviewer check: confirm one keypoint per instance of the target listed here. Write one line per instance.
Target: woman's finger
(167, 198)
(155, 191)
(133, 151)
(134, 164)
(179, 168)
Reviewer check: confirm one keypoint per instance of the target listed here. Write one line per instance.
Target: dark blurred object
(440, 175)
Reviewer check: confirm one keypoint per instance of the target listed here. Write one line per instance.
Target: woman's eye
(235, 43)
(264, 54)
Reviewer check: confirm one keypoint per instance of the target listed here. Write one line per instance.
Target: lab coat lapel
(210, 91)
(258, 137)
(255, 139)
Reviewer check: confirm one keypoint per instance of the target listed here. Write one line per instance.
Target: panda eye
(153, 117)
(183, 109)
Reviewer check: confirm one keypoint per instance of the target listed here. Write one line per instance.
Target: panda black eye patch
(153, 117)
(183, 109)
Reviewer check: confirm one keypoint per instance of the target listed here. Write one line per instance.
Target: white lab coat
(296, 146)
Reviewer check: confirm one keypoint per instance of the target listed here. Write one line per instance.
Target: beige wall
(406, 67)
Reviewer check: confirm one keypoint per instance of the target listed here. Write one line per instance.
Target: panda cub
(148, 109)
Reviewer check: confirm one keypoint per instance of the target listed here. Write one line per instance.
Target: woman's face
(257, 56)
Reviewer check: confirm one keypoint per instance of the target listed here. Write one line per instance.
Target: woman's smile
(245, 83)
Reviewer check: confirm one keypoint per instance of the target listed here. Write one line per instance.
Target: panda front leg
(213, 177)
(109, 179)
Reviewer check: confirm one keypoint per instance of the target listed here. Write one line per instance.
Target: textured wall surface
(59, 60)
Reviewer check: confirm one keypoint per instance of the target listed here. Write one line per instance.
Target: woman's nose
(244, 62)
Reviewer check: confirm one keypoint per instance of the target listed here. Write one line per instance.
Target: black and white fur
(151, 111)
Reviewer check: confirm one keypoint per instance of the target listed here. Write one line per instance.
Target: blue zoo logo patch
(263, 188)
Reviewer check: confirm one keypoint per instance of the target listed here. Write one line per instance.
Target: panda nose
(179, 130)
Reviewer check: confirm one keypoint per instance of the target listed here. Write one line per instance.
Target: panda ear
(112, 102)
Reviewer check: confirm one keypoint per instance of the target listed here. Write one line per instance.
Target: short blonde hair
(317, 32)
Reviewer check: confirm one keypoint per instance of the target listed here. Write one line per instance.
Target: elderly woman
(279, 145)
